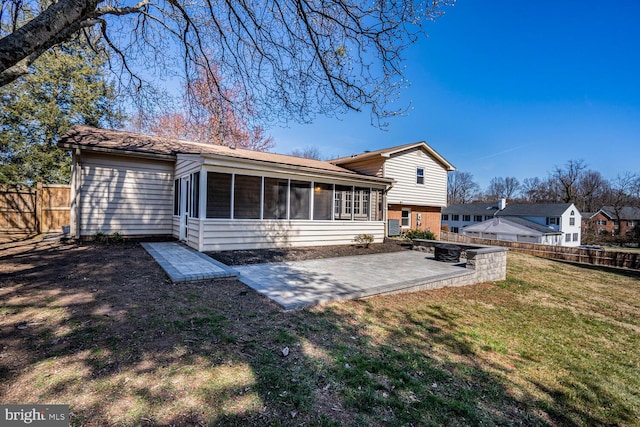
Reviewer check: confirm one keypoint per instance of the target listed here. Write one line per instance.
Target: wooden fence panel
(17, 209)
(564, 253)
(47, 207)
(54, 207)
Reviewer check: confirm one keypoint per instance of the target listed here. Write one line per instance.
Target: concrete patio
(299, 284)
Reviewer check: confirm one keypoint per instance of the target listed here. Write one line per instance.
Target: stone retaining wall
(485, 263)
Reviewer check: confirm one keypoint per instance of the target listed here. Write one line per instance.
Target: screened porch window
(176, 196)
(322, 198)
(275, 198)
(194, 212)
(246, 197)
(235, 196)
(218, 195)
(299, 199)
(343, 202)
(361, 199)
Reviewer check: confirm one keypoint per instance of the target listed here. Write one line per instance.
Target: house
(563, 218)
(612, 222)
(514, 229)
(456, 217)
(419, 190)
(217, 198)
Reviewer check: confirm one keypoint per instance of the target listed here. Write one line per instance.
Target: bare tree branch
(290, 59)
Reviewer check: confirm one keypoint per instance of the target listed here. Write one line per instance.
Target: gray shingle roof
(471, 209)
(504, 224)
(530, 224)
(534, 209)
(626, 212)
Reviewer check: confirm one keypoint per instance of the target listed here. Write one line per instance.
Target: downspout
(385, 209)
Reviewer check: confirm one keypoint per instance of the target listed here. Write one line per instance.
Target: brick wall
(429, 221)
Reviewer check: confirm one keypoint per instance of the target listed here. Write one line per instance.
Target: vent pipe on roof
(502, 203)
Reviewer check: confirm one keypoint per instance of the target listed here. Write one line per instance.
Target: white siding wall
(175, 229)
(187, 164)
(125, 195)
(252, 234)
(402, 168)
(567, 228)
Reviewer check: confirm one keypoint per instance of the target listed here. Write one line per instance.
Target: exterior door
(185, 194)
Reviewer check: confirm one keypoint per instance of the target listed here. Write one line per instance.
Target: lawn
(99, 327)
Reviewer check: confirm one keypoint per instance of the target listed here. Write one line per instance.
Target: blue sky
(511, 88)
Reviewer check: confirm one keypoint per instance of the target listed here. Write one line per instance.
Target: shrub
(364, 239)
(420, 234)
(114, 237)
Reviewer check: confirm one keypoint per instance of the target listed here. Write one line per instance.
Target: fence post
(38, 207)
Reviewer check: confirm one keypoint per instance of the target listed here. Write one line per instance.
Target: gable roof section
(535, 209)
(626, 212)
(105, 140)
(471, 209)
(511, 225)
(388, 152)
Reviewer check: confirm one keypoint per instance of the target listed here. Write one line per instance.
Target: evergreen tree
(66, 86)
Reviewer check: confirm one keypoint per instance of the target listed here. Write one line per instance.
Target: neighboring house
(611, 221)
(419, 190)
(514, 229)
(557, 217)
(219, 198)
(457, 217)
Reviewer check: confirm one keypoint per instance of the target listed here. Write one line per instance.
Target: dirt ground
(77, 316)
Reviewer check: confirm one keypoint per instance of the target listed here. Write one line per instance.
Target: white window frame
(419, 175)
(408, 218)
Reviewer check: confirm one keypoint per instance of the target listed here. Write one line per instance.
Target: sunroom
(230, 203)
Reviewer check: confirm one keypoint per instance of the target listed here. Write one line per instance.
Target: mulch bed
(259, 256)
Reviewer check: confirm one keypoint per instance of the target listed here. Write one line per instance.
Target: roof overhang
(302, 171)
(129, 153)
(393, 151)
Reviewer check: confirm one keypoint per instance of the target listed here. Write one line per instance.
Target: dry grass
(100, 327)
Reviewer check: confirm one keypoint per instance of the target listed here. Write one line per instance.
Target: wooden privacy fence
(39, 209)
(588, 256)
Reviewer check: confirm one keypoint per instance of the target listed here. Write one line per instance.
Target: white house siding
(254, 234)
(131, 196)
(193, 233)
(567, 228)
(402, 167)
(187, 164)
(175, 229)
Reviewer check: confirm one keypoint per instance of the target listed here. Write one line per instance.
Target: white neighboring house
(556, 217)
(514, 229)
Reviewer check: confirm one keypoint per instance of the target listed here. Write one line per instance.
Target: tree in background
(565, 181)
(592, 191)
(209, 118)
(308, 152)
(292, 59)
(461, 188)
(65, 86)
(502, 188)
